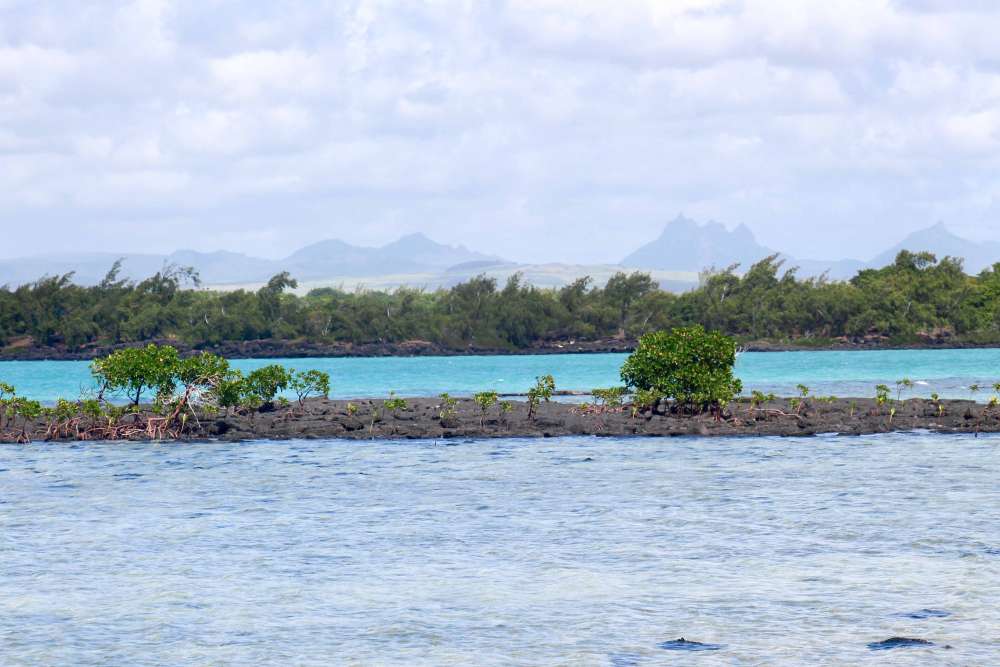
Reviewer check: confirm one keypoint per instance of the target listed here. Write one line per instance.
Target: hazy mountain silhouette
(687, 245)
(415, 253)
(682, 249)
(941, 241)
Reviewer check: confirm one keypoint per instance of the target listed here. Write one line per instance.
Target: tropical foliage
(692, 367)
(134, 371)
(915, 297)
(178, 385)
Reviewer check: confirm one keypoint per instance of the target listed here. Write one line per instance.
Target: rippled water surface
(574, 551)
(854, 373)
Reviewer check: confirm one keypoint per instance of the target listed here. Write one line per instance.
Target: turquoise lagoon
(948, 373)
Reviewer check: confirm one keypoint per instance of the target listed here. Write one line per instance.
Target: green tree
(310, 383)
(266, 382)
(135, 370)
(689, 365)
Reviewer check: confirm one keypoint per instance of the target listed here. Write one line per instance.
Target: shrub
(545, 386)
(448, 403)
(611, 397)
(374, 416)
(267, 381)
(759, 398)
(7, 394)
(92, 410)
(689, 365)
(645, 399)
(27, 410)
(250, 403)
(447, 414)
(485, 400)
(881, 396)
(135, 370)
(308, 383)
(202, 370)
(230, 390)
(799, 402)
(394, 404)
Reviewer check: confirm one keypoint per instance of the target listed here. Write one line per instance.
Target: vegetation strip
(916, 301)
(675, 383)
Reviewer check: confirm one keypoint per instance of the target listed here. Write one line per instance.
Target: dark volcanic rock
(687, 645)
(898, 642)
(921, 614)
(368, 419)
(290, 349)
(221, 427)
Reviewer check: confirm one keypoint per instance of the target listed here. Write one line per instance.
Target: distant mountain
(221, 266)
(88, 268)
(422, 250)
(938, 239)
(415, 253)
(674, 258)
(685, 245)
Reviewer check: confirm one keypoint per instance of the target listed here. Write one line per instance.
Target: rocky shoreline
(295, 349)
(431, 419)
(282, 349)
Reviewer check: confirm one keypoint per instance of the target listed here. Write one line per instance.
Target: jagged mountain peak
(942, 241)
(687, 245)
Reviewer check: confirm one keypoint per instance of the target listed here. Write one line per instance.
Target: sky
(541, 130)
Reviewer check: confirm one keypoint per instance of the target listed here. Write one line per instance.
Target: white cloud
(488, 122)
(255, 74)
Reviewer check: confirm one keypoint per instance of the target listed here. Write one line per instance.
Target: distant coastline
(300, 349)
(915, 302)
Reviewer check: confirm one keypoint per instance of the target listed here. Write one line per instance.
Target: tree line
(916, 296)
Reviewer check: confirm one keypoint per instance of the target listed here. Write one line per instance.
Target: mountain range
(686, 245)
(683, 249)
(412, 254)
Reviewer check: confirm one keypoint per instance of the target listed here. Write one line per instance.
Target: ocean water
(568, 551)
(945, 372)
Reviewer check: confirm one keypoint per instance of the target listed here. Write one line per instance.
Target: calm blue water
(946, 372)
(570, 551)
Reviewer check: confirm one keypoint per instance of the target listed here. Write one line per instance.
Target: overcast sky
(539, 130)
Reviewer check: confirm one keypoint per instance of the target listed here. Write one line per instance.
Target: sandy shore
(427, 418)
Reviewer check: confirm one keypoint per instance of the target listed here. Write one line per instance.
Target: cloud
(266, 74)
(556, 129)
